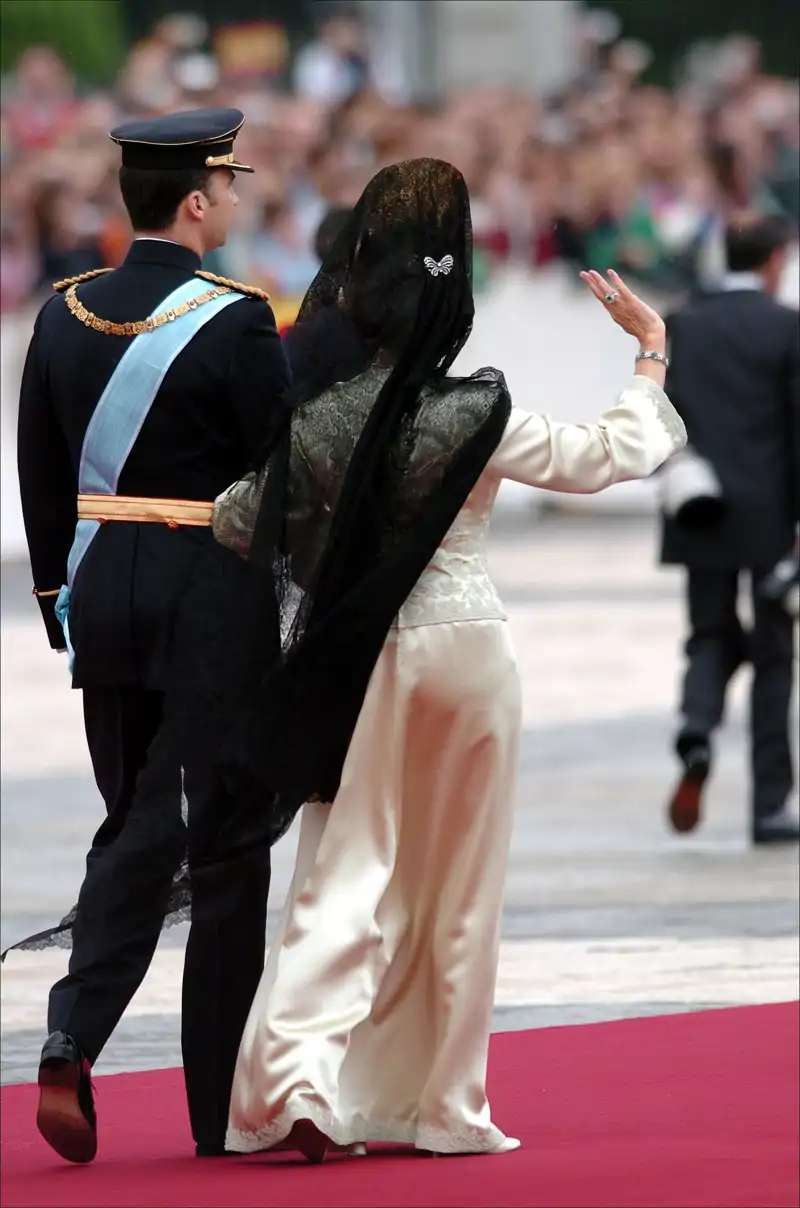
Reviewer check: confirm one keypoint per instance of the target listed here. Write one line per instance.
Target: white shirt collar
(155, 239)
(734, 281)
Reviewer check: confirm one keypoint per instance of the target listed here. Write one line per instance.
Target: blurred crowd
(611, 172)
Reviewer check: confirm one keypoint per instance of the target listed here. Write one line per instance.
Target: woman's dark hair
(377, 311)
(751, 242)
(412, 217)
(382, 294)
(329, 229)
(152, 195)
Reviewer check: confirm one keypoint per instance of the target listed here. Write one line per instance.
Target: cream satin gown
(373, 1015)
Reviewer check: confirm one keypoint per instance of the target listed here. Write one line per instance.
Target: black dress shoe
(685, 807)
(66, 1116)
(780, 827)
(213, 1151)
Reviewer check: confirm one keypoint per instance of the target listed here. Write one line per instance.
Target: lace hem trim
(465, 1139)
(179, 908)
(63, 938)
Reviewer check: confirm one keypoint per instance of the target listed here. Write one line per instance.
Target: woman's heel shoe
(309, 1140)
(507, 1145)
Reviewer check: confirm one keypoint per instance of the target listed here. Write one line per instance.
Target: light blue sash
(121, 411)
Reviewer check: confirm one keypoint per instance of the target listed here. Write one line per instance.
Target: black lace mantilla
(351, 506)
(178, 911)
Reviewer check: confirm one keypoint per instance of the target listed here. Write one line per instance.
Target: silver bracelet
(653, 356)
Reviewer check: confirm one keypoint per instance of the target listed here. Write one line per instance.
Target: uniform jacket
(217, 412)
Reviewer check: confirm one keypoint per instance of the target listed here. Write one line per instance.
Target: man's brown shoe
(685, 807)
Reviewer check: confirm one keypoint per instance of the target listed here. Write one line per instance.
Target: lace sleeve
(236, 511)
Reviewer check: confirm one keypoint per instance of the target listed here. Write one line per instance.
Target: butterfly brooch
(435, 267)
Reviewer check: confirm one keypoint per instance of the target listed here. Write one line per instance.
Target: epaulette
(60, 286)
(252, 290)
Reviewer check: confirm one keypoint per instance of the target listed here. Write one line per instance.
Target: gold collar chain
(141, 326)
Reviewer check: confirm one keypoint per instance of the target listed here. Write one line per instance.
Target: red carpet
(674, 1111)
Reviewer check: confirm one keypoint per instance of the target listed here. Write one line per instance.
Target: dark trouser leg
(121, 905)
(715, 648)
(224, 955)
(120, 724)
(770, 704)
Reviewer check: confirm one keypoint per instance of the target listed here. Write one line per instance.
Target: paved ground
(607, 915)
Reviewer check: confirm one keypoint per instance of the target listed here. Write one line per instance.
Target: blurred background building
(613, 135)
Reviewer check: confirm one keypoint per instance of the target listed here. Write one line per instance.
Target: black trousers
(716, 647)
(124, 896)
(120, 725)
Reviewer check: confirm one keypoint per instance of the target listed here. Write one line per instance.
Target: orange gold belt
(172, 512)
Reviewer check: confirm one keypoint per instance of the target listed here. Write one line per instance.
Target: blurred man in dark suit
(735, 379)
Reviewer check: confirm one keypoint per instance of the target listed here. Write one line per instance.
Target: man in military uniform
(147, 390)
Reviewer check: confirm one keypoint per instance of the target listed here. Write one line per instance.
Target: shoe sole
(685, 808)
(59, 1118)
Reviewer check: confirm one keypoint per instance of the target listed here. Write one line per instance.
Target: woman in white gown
(372, 1019)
